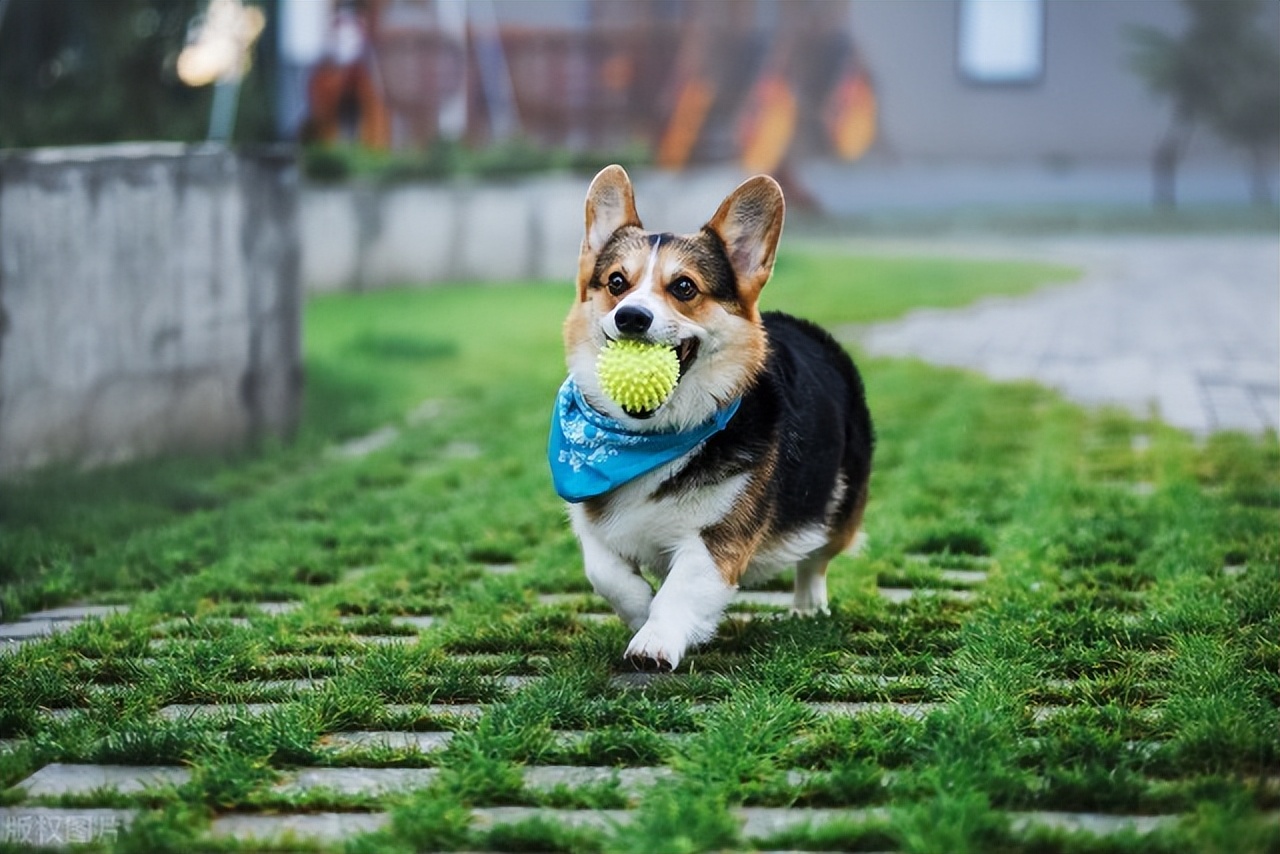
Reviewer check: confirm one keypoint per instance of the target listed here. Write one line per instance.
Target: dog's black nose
(632, 320)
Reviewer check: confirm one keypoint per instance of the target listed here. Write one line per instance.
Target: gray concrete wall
(364, 237)
(150, 302)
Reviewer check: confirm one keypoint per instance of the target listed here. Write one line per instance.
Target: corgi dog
(757, 461)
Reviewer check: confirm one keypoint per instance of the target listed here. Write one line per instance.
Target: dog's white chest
(648, 530)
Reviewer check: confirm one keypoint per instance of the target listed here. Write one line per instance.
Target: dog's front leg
(615, 579)
(685, 612)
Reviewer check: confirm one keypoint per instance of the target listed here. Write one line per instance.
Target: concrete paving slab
(915, 711)
(75, 613)
(763, 822)
(374, 782)
(322, 827)
(363, 446)
(588, 601)
(417, 622)
(216, 711)
(232, 711)
(337, 827)
(501, 568)
(384, 640)
(764, 598)
(631, 781)
(1098, 824)
(488, 817)
(898, 595)
(64, 714)
(757, 823)
(216, 622)
(518, 683)
(963, 577)
(290, 686)
(1182, 325)
(59, 779)
(276, 609)
(422, 742)
(446, 711)
(25, 630)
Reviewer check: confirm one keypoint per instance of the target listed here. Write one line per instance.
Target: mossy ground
(1120, 657)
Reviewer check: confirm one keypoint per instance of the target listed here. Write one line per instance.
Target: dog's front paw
(811, 611)
(653, 649)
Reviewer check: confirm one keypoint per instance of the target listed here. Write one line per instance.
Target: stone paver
(317, 827)
(62, 826)
(915, 711)
(363, 446)
(67, 779)
(276, 609)
(764, 598)
(415, 622)
(220, 711)
(422, 742)
(30, 629)
(631, 781)
(59, 779)
(756, 822)
(963, 577)
(357, 781)
(41, 624)
(898, 595)
(1187, 326)
(75, 613)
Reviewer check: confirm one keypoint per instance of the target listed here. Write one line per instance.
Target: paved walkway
(1187, 328)
(367, 790)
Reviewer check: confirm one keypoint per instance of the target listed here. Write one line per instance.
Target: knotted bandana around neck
(591, 453)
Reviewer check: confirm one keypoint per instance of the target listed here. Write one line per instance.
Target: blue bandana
(591, 453)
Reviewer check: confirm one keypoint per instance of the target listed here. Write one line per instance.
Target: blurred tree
(79, 72)
(1223, 72)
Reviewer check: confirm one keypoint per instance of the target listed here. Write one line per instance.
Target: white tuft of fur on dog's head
(699, 291)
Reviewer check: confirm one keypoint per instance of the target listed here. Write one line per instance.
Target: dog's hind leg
(811, 571)
(811, 586)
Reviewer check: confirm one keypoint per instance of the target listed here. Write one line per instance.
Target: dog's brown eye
(617, 284)
(683, 289)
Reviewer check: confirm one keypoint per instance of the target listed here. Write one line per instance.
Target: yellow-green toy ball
(637, 376)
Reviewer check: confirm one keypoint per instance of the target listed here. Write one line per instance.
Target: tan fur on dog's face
(701, 289)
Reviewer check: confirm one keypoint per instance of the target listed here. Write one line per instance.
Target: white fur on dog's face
(701, 290)
(729, 347)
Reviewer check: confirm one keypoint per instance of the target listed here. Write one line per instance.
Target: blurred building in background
(690, 81)
(1052, 85)
(1048, 81)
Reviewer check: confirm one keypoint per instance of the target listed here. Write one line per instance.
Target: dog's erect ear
(611, 204)
(749, 223)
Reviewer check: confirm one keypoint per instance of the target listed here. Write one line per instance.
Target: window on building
(1001, 41)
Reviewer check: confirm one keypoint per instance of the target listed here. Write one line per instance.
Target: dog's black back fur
(809, 403)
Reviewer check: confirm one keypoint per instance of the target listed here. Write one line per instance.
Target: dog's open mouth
(686, 354)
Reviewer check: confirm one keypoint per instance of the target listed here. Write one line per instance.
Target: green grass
(1107, 664)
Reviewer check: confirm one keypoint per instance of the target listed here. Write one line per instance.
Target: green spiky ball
(637, 376)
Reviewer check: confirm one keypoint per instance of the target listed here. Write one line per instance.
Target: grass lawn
(1093, 622)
